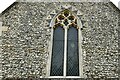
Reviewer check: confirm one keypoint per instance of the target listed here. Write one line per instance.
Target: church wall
(25, 45)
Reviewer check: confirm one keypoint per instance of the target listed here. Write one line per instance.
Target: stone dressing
(25, 44)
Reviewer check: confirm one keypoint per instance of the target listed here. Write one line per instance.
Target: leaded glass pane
(57, 52)
(72, 52)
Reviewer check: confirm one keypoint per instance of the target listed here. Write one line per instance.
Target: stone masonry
(25, 44)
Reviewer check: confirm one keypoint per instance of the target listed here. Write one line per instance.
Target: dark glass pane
(66, 22)
(72, 52)
(66, 13)
(58, 52)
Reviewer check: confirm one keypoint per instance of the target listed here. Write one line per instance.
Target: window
(72, 52)
(57, 52)
(66, 55)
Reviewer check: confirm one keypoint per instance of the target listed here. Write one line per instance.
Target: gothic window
(65, 54)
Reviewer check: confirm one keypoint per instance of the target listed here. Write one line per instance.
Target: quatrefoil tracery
(66, 19)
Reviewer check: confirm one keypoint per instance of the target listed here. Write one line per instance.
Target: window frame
(79, 24)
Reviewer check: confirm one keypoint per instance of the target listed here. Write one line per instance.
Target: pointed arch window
(66, 56)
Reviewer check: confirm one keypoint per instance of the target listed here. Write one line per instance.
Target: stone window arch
(65, 58)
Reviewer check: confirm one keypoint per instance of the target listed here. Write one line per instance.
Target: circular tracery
(61, 17)
(66, 18)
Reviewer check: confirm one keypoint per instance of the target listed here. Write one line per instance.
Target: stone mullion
(65, 52)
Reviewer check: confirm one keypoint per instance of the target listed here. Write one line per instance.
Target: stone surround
(26, 42)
